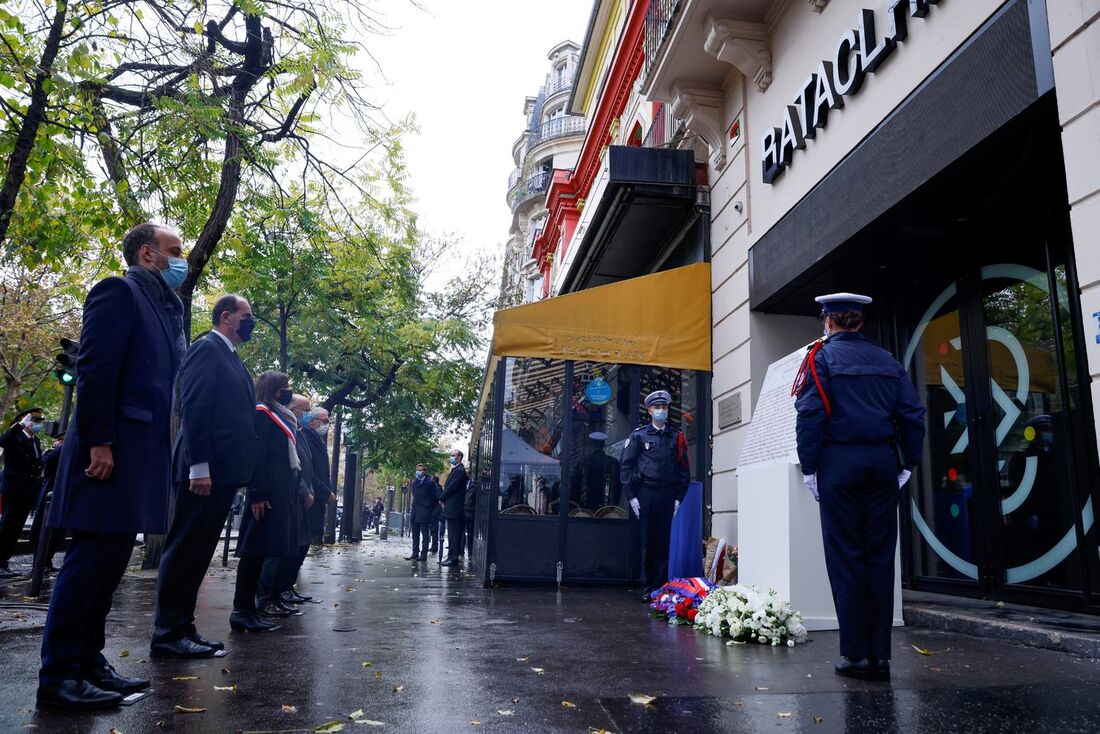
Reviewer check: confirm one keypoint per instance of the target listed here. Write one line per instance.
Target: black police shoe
(271, 609)
(292, 611)
(183, 648)
(449, 562)
(854, 668)
(882, 669)
(108, 679)
(77, 695)
(249, 622)
(200, 640)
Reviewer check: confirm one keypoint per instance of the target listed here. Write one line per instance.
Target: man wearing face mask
(655, 474)
(453, 502)
(114, 477)
(22, 481)
(423, 502)
(316, 434)
(214, 457)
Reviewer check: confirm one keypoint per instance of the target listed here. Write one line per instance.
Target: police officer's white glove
(27, 421)
(810, 480)
(904, 477)
(675, 506)
(637, 507)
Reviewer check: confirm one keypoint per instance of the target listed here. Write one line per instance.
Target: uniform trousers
(197, 526)
(75, 633)
(279, 574)
(18, 504)
(859, 493)
(249, 569)
(469, 536)
(657, 501)
(454, 538)
(435, 528)
(421, 531)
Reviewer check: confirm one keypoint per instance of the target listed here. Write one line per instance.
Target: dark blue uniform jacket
(872, 400)
(655, 457)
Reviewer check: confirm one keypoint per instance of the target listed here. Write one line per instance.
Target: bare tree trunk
(36, 115)
(212, 231)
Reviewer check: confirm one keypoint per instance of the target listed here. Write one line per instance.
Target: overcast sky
(464, 69)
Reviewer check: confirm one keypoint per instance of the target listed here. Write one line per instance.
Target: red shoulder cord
(681, 449)
(808, 368)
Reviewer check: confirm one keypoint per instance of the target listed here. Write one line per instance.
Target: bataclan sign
(859, 52)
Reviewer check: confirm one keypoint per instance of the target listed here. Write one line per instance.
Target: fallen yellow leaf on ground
(398, 689)
(331, 726)
(226, 688)
(475, 722)
(569, 704)
(188, 710)
(367, 663)
(921, 650)
(785, 714)
(357, 714)
(540, 671)
(642, 699)
(290, 709)
(506, 712)
(819, 720)
(186, 677)
(124, 654)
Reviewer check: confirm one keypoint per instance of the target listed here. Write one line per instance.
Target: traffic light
(66, 361)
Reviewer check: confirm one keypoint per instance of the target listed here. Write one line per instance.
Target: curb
(1031, 635)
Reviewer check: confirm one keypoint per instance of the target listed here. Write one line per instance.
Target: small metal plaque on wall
(729, 411)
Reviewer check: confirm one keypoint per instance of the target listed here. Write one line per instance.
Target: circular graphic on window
(1009, 398)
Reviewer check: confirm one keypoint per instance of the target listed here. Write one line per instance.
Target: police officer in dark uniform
(860, 433)
(655, 473)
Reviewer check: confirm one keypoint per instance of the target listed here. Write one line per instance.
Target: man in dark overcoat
(215, 455)
(22, 481)
(114, 477)
(423, 503)
(453, 501)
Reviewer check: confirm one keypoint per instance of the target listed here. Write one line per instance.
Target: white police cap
(839, 302)
(658, 396)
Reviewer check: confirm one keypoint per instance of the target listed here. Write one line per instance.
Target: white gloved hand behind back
(637, 507)
(810, 480)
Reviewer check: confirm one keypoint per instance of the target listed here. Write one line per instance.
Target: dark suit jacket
(276, 482)
(125, 371)
(216, 411)
(454, 494)
(22, 462)
(318, 452)
(424, 499)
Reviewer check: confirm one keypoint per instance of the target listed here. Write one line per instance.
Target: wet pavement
(417, 648)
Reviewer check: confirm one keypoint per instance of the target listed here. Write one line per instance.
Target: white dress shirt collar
(225, 339)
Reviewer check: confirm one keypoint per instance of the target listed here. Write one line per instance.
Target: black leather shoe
(287, 598)
(108, 679)
(432, 551)
(77, 695)
(449, 562)
(854, 668)
(882, 669)
(200, 640)
(271, 609)
(291, 611)
(300, 597)
(184, 648)
(249, 622)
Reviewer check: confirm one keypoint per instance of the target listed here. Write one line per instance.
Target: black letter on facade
(919, 8)
(899, 23)
(805, 103)
(791, 138)
(769, 158)
(824, 98)
(873, 51)
(848, 74)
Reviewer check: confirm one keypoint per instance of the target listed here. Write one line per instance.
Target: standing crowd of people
(116, 473)
(441, 513)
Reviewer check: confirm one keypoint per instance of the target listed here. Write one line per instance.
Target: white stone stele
(778, 522)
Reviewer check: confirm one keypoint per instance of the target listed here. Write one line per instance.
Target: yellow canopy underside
(661, 319)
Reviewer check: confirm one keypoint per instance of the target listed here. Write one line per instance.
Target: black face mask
(284, 397)
(244, 329)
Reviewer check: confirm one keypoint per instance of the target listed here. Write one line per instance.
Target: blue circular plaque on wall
(598, 391)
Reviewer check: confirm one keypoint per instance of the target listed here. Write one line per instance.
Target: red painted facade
(568, 188)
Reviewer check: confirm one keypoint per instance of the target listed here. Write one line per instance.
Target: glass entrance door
(997, 505)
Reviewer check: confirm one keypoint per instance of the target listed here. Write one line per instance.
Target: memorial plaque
(729, 411)
(771, 436)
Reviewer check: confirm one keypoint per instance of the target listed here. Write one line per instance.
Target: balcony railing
(558, 127)
(558, 85)
(665, 131)
(528, 189)
(513, 177)
(659, 20)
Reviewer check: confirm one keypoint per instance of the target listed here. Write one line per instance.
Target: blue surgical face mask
(176, 272)
(305, 419)
(36, 428)
(660, 415)
(454, 460)
(419, 474)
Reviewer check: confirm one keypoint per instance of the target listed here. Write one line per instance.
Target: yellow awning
(661, 319)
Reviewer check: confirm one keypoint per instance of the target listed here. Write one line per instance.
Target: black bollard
(38, 571)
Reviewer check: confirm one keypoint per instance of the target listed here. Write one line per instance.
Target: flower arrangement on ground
(746, 614)
(678, 600)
